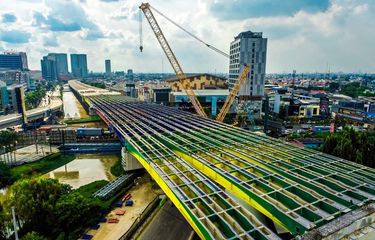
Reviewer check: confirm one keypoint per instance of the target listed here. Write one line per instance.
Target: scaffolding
(190, 157)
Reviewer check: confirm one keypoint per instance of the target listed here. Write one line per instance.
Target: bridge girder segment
(297, 188)
(210, 211)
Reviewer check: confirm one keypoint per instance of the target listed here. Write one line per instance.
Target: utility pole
(14, 223)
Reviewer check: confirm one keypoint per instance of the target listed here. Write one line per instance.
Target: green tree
(7, 138)
(74, 210)
(354, 90)
(5, 175)
(2, 223)
(34, 98)
(117, 168)
(34, 200)
(333, 86)
(33, 236)
(7, 142)
(354, 146)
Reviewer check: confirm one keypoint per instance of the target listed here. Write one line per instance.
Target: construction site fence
(141, 218)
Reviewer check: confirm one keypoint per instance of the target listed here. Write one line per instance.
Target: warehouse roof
(193, 75)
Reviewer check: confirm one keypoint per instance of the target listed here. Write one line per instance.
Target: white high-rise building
(249, 48)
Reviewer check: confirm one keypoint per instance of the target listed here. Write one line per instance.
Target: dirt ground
(142, 195)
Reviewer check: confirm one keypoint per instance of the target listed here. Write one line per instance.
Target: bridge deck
(298, 188)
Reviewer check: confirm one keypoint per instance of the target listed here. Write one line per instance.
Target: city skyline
(309, 36)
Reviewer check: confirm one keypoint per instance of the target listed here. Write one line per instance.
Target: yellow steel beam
(228, 185)
(166, 189)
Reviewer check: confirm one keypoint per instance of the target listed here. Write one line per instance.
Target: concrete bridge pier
(129, 162)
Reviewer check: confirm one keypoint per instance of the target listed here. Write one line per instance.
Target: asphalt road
(168, 224)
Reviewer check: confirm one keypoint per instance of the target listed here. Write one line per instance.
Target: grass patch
(84, 120)
(117, 168)
(322, 135)
(89, 189)
(41, 167)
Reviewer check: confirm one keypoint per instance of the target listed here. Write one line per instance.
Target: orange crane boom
(232, 95)
(145, 7)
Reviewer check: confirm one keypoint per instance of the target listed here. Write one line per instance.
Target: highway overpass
(11, 120)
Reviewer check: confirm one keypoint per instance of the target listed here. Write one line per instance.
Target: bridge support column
(129, 162)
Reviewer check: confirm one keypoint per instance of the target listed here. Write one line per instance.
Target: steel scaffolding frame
(297, 188)
(211, 211)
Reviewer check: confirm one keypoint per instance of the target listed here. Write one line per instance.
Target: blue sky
(306, 35)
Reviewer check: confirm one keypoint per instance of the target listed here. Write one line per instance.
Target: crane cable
(140, 31)
(180, 27)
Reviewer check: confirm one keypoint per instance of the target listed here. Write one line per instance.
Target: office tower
(108, 67)
(54, 66)
(49, 68)
(249, 48)
(78, 64)
(13, 61)
(130, 75)
(61, 63)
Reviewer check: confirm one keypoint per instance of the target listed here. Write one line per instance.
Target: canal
(86, 168)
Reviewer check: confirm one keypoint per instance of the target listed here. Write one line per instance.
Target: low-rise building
(160, 95)
(198, 82)
(11, 98)
(11, 77)
(204, 96)
(16, 101)
(361, 109)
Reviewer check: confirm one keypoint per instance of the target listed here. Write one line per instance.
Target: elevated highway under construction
(213, 172)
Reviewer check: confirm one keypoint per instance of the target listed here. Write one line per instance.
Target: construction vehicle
(146, 9)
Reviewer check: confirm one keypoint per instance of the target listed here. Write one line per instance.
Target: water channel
(86, 168)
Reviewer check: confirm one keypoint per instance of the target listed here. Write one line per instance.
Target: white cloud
(305, 39)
